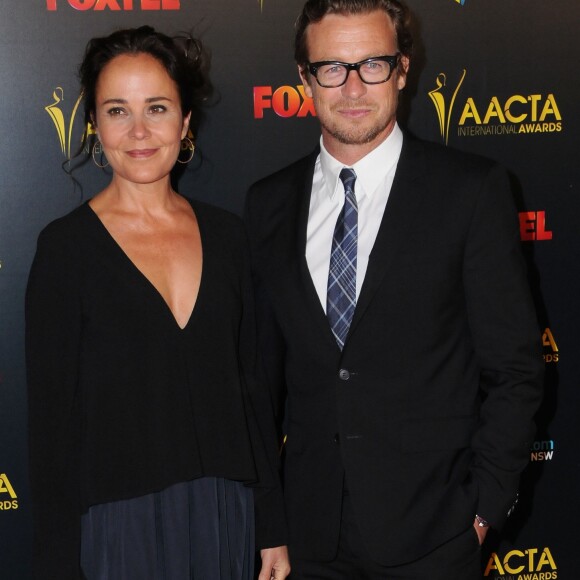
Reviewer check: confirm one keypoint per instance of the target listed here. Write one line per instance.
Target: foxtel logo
(126, 5)
(285, 101)
(533, 226)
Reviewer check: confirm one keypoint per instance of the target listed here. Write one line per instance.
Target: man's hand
(275, 563)
(481, 532)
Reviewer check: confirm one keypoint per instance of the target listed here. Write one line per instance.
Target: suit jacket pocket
(437, 433)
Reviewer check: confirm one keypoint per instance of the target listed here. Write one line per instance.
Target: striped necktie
(341, 295)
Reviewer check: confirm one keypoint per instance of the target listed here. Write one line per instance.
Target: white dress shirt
(374, 177)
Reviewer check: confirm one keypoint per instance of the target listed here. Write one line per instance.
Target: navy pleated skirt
(197, 530)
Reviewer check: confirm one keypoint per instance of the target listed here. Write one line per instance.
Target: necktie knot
(348, 177)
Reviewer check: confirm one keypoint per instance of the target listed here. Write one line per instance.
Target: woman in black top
(152, 447)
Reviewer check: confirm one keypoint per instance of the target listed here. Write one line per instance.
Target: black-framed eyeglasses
(372, 71)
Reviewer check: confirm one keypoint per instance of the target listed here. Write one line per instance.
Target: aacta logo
(285, 101)
(8, 501)
(535, 113)
(530, 564)
(533, 226)
(542, 451)
(115, 4)
(551, 352)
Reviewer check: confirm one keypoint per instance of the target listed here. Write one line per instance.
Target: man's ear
(402, 70)
(305, 78)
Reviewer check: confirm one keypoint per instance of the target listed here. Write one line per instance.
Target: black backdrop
(490, 76)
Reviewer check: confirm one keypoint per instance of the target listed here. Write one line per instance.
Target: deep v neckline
(144, 278)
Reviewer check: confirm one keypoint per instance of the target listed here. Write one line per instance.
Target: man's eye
(374, 66)
(331, 70)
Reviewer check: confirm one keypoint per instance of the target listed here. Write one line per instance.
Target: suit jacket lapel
(404, 201)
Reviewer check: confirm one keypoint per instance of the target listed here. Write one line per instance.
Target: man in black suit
(397, 329)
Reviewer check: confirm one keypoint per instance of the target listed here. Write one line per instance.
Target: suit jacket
(427, 413)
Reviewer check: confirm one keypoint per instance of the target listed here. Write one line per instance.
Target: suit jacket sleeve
(506, 338)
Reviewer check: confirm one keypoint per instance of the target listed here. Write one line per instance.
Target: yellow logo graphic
(6, 487)
(64, 129)
(443, 109)
(519, 113)
(529, 562)
(548, 341)
(531, 114)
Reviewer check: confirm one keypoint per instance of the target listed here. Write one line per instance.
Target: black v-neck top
(122, 401)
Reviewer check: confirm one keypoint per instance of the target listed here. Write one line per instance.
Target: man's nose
(353, 86)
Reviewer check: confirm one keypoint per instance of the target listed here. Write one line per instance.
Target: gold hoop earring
(98, 150)
(186, 145)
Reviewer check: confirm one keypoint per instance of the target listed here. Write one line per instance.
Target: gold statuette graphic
(58, 118)
(443, 109)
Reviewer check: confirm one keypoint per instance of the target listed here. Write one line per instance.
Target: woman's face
(138, 118)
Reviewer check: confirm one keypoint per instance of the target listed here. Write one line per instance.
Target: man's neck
(349, 154)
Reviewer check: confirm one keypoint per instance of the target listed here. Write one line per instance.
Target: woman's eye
(157, 109)
(115, 111)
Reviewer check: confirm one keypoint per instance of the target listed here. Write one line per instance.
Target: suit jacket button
(344, 375)
(336, 438)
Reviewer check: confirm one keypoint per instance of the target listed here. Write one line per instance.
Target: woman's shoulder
(68, 229)
(62, 247)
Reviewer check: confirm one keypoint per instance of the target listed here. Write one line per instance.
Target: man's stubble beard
(361, 136)
(354, 135)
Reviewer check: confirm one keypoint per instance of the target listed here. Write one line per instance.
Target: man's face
(355, 117)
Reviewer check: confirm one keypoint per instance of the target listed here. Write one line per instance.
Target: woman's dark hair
(315, 10)
(184, 58)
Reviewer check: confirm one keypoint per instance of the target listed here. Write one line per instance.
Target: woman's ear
(185, 127)
(93, 124)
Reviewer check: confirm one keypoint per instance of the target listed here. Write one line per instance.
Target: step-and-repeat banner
(489, 76)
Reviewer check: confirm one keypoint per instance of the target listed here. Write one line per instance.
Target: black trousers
(457, 559)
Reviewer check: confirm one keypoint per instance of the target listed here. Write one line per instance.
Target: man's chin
(355, 137)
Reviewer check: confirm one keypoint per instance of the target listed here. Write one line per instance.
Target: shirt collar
(370, 171)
